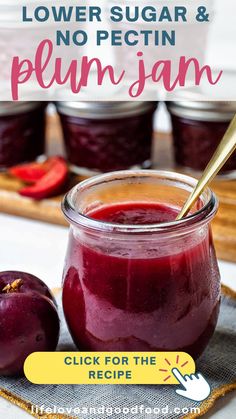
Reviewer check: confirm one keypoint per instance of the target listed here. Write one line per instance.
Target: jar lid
(100, 110)
(14, 108)
(203, 110)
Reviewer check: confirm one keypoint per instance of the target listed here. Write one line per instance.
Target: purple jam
(122, 299)
(196, 141)
(22, 136)
(108, 144)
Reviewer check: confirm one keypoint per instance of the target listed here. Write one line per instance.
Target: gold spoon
(219, 158)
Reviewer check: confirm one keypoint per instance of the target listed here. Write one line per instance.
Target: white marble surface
(40, 248)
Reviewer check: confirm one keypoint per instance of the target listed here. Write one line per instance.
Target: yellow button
(106, 367)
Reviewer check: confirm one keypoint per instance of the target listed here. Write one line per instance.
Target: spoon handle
(221, 155)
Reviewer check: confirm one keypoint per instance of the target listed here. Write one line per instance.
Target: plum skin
(29, 321)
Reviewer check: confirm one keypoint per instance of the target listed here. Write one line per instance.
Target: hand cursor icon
(195, 387)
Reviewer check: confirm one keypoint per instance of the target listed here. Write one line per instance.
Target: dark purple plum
(29, 320)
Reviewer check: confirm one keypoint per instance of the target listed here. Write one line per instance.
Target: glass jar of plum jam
(106, 136)
(134, 278)
(198, 127)
(22, 132)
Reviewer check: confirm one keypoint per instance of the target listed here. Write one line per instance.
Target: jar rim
(203, 110)
(8, 108)
(201, 216)
(105, 109)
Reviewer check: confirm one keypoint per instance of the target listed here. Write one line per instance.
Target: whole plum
(29, 320)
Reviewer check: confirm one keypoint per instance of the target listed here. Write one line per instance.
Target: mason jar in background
(22, 38)
(107, 136)
(198, 127)
(22, 132)
(126, 56)
(16, 36)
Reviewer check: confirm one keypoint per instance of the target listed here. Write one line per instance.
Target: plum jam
(22, 132)
(135, 279)
(198, 128)
(105, 136)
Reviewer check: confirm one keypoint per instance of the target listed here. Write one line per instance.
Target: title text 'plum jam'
(22, 132)
(134, 278)
(198, 128)
(105, 136)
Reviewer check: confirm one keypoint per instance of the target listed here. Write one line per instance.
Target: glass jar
(132, 282)
(24, 32)
(22, 132)
(125, 56)
(105, 136)
(198, 128)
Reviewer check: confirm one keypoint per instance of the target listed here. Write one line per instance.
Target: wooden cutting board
(224, 225)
